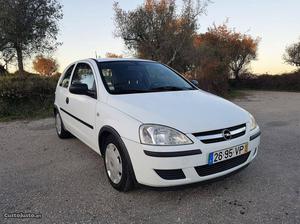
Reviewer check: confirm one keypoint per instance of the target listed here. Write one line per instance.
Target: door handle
(67, 100)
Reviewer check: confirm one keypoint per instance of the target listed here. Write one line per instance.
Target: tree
(156, 31)
(113, 55)
(232, 47)
(45, 66)
(243, 51)
(28, 27)
(211, 63)
(219, 53)
(292, 55)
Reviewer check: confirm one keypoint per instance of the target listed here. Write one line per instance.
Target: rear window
(66, 78)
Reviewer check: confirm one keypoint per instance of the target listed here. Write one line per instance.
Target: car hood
(187, 111)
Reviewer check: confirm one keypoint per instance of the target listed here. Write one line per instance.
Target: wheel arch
(55, 109)
(108, 130)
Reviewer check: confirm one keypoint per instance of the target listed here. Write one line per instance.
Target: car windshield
(125, 77)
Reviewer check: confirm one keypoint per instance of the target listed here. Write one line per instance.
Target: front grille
(218, 136)
(206, 170)
(171, 174)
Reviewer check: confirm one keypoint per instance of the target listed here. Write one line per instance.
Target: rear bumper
(162, 166)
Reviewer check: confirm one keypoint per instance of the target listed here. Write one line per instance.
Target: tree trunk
(20, 62)
(237, 75)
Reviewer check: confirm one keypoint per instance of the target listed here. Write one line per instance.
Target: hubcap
(58, 123)
(113, 163)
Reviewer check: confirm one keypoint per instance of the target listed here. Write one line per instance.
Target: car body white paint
(187, 111)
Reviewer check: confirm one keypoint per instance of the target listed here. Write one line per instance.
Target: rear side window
(66, 79)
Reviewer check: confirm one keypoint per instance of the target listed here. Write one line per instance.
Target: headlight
(253, 123)
(161, 135)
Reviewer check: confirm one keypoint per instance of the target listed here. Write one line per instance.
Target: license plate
(225, 154)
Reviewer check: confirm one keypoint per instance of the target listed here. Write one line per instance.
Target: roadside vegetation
(26, 98)
(282, 82)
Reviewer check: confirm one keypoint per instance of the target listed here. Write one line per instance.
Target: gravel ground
(65, 182)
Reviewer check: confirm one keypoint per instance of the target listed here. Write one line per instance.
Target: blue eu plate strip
(211, 158)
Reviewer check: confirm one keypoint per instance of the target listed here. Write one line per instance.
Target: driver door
(83, 107)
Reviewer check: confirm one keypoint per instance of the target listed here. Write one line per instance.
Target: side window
(65, 81)
(84, 74)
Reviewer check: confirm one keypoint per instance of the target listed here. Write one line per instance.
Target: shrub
(26, 97)
(284, 82)
(212, 78)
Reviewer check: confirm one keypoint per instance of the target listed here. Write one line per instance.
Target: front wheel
(60, 128)
(117, 165)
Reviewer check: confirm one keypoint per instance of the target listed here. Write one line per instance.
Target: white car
(151, 125)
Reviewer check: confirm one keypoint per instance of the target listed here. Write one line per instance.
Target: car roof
(107, 60)
(119, 59)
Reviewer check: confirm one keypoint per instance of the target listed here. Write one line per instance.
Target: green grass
(29, 98)
(26, 110)
(28, 116)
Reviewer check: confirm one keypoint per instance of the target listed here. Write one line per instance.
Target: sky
(87, 28)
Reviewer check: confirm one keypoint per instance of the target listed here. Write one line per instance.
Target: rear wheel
(60, 128)
(117, 165)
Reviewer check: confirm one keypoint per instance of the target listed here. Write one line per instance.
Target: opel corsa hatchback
(151, 125)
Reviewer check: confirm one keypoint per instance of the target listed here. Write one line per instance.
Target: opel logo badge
(226, 134)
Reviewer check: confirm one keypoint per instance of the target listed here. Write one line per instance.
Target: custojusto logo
(22, 215)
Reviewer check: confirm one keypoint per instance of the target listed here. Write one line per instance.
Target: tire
(60, 128)
(117, 165)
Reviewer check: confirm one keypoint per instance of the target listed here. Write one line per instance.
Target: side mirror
(195, 82)
(79, 88)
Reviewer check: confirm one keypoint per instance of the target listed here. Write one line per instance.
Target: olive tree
(157, 30)
(28, 27)
(234, 49)
(292, 55)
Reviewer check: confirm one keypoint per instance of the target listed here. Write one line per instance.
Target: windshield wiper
(126, 91)
(169, 88)
(156, 89)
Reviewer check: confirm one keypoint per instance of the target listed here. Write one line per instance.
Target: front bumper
(162, 166)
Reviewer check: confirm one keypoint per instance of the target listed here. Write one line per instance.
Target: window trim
(95, 80)
(64, 74)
